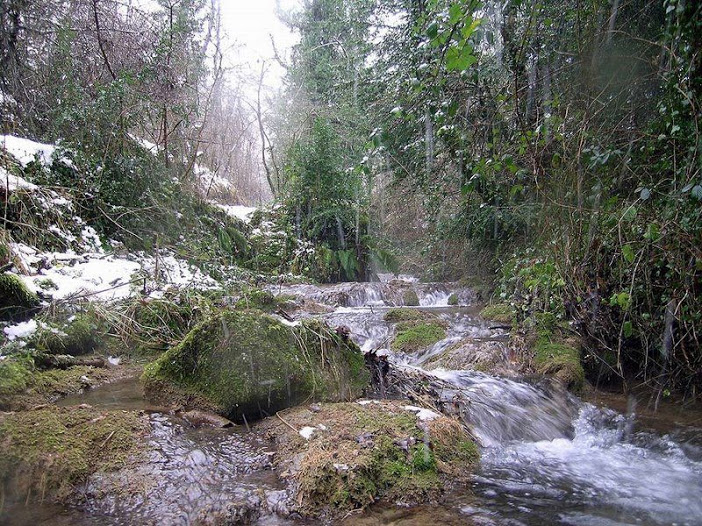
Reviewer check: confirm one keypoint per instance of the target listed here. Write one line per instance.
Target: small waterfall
(547, 456)
(500, 410)
(603, 468)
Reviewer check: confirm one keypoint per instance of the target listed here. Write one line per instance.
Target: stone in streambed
(246, 365)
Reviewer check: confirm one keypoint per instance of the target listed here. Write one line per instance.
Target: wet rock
(248, 365)
(484, 355)
(410, 298)
(245, 510)
(197, 418)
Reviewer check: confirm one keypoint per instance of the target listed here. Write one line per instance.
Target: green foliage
(325, 199)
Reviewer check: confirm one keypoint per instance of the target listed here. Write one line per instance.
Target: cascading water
(548, 457)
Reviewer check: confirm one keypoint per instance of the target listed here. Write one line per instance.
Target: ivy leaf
(652, 233)
(468, 31)
(433, 30)
(630, 213)
(460, 60)
(621, 300)
(627, 329)
(455, 13)
(628, 253)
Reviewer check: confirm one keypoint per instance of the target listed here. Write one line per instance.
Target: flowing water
(547, 456)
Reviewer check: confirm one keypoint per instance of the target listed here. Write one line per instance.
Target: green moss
(5, 253)
(161, 323)
(15, 375)
(560, 360)
(80, 336)
(410, 298)
(499, 312)
(370, 453)
(453, 299)
(257, 299)
(50, 450)
(555, 355)
(396, 315)
(16, 300)
(413, 337)
(248, 364)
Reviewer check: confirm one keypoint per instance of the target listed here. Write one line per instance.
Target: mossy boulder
(561, 361)
(412, 336)
(556, 354)
(410, 298)
(246, 365)
(403, 314)
(48, 451)
(357, 455)
(17, 302)
(453, 299)
(79, 336)
(499, 312)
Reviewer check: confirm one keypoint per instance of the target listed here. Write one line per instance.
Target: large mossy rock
(17, 302)
(246, 365)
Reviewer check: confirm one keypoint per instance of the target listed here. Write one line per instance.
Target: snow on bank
(14, 182)
(102, 277)
(26, 150)
(424, 415)
(21, 330)
(238, 211)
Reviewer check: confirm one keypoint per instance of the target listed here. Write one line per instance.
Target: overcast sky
(249, 25)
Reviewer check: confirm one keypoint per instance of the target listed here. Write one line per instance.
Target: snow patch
(14, 182)
(21, 330)
(147, 145)
(238, 211)
(424, 415)
(307, 432)
(26, 150)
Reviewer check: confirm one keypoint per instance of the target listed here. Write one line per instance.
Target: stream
(548, 457)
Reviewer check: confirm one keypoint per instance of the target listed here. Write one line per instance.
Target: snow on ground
(21, 330)
(422, 414)
(26, 150)
(147, 145)
(99, 276)
(307, 432)
(14, 182)
(209, 180)
(237, 211)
